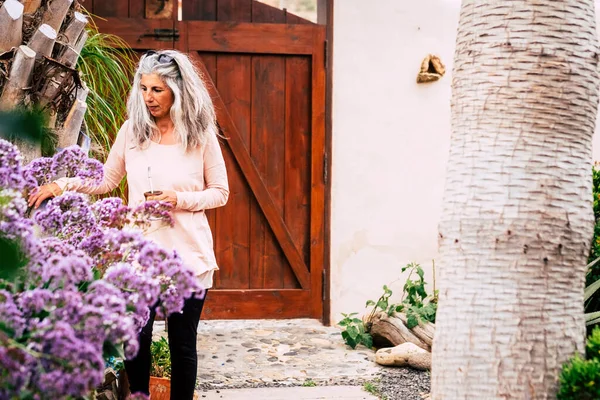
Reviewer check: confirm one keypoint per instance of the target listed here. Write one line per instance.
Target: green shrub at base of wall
(580, 378)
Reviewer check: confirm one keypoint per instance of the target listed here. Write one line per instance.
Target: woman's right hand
(42, 193)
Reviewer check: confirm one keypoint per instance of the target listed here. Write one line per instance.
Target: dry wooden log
(19, 78)
(74, 29)
(69, 134)
(81, 41)
(52, 118)
(83, 92)
(69, 57)
(31, 6)
(57, 78)
(423, 331)
(390, 330)
(13, 94)
(11, 25)
(84, 142)
(29, 150)
(42, 41)
(55, 13)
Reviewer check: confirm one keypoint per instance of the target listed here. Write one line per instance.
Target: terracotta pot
(160, 388)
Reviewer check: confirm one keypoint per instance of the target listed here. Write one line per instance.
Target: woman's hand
(168, 196)
(42, 193)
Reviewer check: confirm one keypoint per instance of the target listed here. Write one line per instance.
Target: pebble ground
(237, 354)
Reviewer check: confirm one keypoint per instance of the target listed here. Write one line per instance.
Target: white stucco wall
(390, 143)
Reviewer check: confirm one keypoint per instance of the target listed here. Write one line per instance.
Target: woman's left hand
(168, 196)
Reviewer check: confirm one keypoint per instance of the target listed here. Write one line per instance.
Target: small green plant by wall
(416, 303)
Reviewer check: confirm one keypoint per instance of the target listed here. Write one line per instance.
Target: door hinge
(323, 286)
(326, 55)
(325, 168)
(162, 35)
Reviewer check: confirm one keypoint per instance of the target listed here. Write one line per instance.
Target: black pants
(182, 330)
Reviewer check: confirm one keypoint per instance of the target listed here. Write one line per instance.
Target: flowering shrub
(84, 278)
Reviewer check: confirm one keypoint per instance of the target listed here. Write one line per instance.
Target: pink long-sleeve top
(198, 177)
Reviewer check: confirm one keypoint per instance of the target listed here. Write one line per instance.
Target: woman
(172, 134)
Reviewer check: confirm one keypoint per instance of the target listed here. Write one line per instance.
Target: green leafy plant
(416, 303)
(580, 380)
(592, 301)
(592, 316)
(161, 358)
(594, 273)
(309, 383)
(354, 332)
(592, 347)
(383, 304)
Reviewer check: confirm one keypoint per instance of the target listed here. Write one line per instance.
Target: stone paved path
(248, 353)
(291, 393)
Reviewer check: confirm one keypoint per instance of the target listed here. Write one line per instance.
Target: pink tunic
(198, 177)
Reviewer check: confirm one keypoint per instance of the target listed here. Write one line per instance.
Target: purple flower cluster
(90, 280)
(12, 224)
(70, 162)
(69, 217)
(59, 342)
(65, 331)
(138, 396)
(11, 174)
(112, 213)
(40, 171)
(152, 210)
(10, 314)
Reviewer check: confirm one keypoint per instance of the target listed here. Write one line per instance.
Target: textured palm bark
(517, 220)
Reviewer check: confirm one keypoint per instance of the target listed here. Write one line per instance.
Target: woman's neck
(166, 130)
(165, 125)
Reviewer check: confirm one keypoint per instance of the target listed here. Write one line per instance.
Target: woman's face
(157, 95)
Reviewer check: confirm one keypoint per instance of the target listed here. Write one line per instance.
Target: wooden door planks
(297, 156)
(266, 202)
(268, 153)
(244, 37)
(115, 8)
(199, 10)
(234, 10)
(233, 237)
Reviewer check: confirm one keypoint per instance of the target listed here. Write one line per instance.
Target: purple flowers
(89, 280)
(112, 213)
(68, 216)
(11, 175)
(85, 364)
(70, 162)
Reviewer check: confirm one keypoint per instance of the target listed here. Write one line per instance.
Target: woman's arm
(215, 177)
(114, 171)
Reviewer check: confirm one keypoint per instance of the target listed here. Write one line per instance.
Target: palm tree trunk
(517, 220)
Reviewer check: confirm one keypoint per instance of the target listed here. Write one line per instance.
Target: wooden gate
(265, 69)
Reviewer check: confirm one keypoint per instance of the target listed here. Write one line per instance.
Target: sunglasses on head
(162, 58)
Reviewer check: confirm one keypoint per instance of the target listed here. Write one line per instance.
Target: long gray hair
(192, 112)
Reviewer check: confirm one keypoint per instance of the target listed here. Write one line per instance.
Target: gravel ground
(404, 384)
(393, 384)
